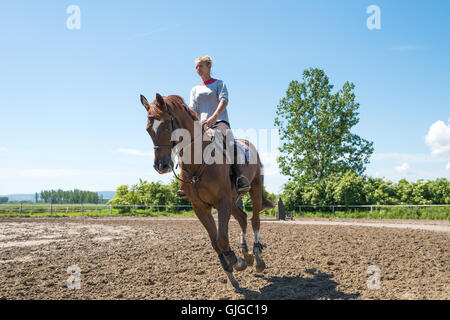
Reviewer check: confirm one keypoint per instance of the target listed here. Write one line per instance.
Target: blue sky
(69, 99)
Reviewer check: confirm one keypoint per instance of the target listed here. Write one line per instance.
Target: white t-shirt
(205, 98)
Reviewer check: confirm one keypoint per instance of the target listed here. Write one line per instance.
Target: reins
(193, 178)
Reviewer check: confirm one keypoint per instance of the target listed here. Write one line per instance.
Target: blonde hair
(206, 59)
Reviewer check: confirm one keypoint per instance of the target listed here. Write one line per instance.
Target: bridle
(193, 178)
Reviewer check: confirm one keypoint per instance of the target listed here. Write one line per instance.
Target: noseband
(193, 178)
(172, 128)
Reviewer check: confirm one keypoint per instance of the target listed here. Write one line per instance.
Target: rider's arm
(193, 101)
(221, 107)
(222, 94)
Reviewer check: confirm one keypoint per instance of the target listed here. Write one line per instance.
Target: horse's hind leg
(241, 217)
(256, 196)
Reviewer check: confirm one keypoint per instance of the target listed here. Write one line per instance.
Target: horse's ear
(145, 103)
(160, 101)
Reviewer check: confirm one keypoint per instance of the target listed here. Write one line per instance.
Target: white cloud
(134, 152)
(3, 149)
(403, 168)
(447, 167)
(438, 138)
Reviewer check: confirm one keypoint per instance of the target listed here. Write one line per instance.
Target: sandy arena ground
(171, 258)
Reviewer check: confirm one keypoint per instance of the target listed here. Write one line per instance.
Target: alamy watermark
(188, 145)
(73, 22)
(74, 280)
(374, 280)
(374, 20)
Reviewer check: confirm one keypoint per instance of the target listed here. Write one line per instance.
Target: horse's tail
(266, 203)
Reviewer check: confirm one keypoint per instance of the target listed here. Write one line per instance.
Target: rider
(211, 98)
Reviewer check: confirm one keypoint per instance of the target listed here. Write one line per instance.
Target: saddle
(241, 152)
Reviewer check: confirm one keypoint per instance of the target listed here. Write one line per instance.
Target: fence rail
(333, 208)
(22, 208)
(35, 208)
(372, 206)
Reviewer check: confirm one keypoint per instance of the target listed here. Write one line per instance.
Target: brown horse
(208, 185)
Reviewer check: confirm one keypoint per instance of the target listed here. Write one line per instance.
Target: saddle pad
(243, 153)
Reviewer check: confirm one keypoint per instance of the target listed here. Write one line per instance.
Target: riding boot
(242, 183)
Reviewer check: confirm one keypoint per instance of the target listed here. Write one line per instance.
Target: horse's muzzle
(162, 167)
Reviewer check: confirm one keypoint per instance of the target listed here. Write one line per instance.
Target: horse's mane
(178, 102)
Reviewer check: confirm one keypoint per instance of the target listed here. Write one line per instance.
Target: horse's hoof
(225, 264)
(249, 258)
(240, 265)
(260, 266)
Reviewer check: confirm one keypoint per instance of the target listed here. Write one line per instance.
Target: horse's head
(160, 127)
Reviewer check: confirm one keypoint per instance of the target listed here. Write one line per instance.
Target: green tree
(315, 126)
(293, 195)
(75, 196)
(148, 193)
(440, 191)
(348, 189)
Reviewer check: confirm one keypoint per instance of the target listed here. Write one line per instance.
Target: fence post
(110, 209)
(82, 209)
(96, 209)
(20, 209)
(51, 208)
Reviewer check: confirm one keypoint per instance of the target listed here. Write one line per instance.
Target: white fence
(34, 208)
(372, 206)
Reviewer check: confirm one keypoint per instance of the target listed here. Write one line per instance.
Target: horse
(208, 185)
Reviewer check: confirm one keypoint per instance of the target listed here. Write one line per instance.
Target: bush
(350, 189)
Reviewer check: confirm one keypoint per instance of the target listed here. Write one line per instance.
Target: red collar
(212, 80)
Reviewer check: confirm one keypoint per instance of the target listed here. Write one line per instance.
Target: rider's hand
(211, 121)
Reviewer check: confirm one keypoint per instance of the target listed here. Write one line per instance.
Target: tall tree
(315, 126)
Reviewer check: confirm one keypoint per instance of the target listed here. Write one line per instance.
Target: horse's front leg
(227, 256)
(203, 213)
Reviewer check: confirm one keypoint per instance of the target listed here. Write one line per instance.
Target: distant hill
(30, 197)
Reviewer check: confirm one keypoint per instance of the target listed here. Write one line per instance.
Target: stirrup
(243, 189)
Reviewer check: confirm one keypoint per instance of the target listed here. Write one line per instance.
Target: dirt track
(151, 258)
